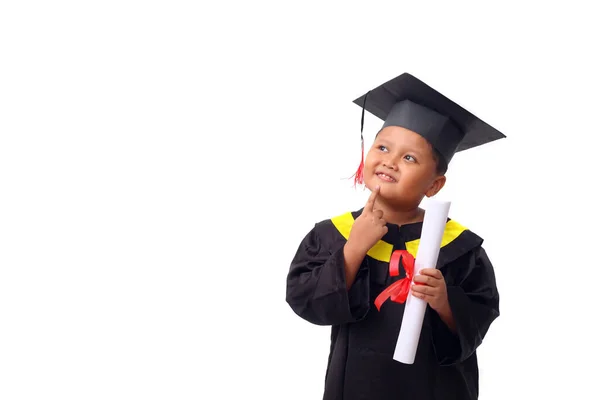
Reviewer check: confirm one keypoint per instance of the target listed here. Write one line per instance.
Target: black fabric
(363, 339)
(410, 103)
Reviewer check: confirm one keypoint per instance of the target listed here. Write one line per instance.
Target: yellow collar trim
(382, 250)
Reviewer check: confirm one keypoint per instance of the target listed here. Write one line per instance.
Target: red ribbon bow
(398, 291)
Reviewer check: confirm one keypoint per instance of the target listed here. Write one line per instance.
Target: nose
(390, 164)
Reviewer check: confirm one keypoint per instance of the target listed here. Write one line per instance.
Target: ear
(436, 186)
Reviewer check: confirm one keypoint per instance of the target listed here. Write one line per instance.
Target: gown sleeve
(474, 301)
(316, 282)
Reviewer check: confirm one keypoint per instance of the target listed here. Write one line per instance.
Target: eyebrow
(410, 149)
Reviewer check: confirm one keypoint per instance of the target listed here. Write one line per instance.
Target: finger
(425, 292)
(423, 296)
(425, 280)
(384, 230)
(420, 295)
(377, 214)
(422, 289)
(371, 202)
(432, 272)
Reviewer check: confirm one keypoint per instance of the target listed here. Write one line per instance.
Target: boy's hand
(369, 227)
(431, 287)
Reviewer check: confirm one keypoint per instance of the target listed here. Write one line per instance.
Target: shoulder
(326, 236)
(342, 223)
(334, 228)
(464, 260)
(457, 241)
(463, 234)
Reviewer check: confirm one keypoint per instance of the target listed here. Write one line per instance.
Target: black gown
(363, 339)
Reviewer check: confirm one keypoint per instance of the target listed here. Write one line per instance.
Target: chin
(374, 181)
(370, 184)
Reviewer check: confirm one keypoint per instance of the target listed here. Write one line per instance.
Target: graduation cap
(407, 102)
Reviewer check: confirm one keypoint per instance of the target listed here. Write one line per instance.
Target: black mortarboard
(408, 102)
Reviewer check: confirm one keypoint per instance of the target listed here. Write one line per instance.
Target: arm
(353, 259)
(447, 318)
(473, 302)
(326, 284)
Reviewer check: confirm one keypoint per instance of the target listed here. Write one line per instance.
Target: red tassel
(358, 176)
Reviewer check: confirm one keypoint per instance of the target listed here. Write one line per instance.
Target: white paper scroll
(434, 224)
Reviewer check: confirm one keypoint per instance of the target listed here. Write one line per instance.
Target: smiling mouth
(384, 177)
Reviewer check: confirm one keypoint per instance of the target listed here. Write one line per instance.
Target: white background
(161, 161)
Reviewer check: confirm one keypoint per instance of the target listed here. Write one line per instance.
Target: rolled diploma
(434, 224)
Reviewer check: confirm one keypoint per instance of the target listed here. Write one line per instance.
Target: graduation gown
(363, 339)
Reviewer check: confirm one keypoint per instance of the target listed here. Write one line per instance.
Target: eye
(410, 158)
(382, 147)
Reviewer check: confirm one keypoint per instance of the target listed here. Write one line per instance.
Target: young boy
(343, 264)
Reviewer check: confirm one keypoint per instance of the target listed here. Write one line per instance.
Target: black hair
(441, 166)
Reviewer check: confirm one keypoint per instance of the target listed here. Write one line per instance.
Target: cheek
(370, 161)
(419, 181)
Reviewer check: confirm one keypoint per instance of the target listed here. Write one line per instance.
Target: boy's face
(401, 162)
